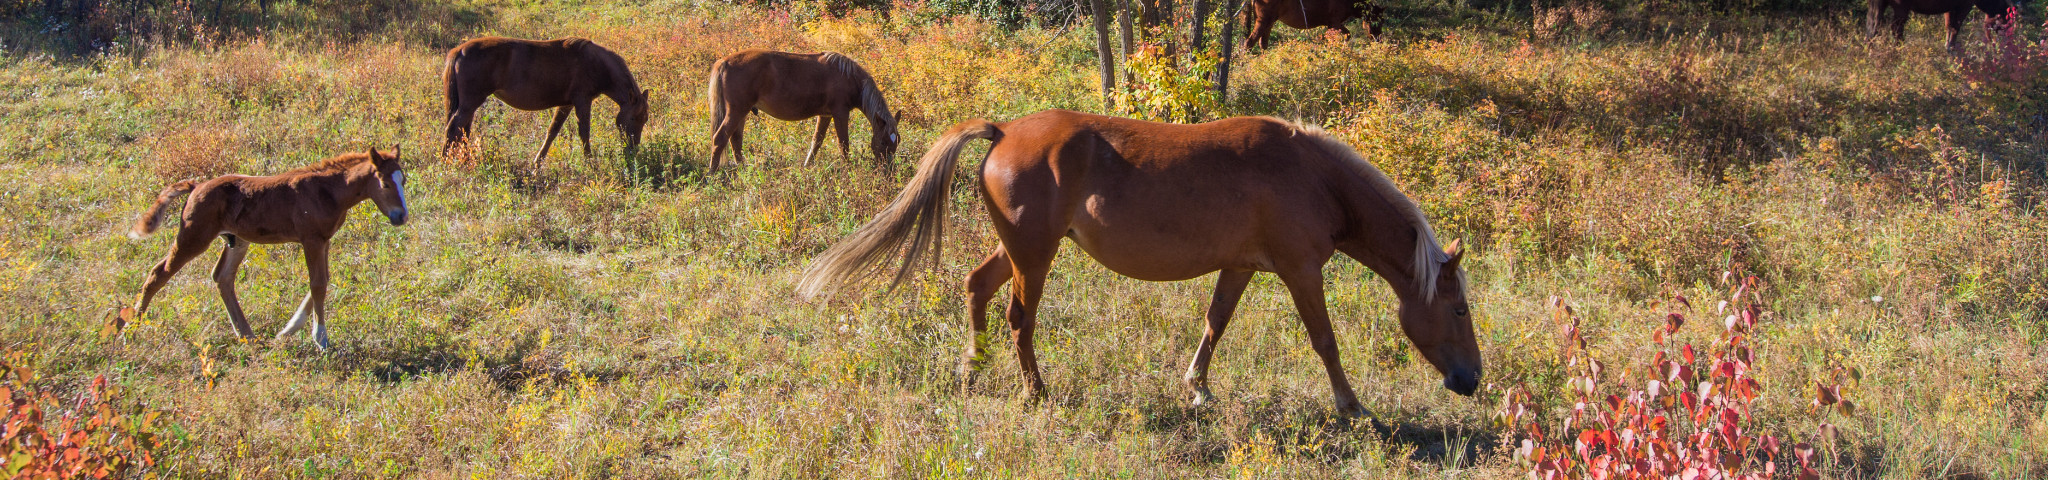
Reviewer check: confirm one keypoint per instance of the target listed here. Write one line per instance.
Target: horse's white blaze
(398, 181)
(892, 138)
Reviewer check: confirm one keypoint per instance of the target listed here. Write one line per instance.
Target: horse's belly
(1160, 250)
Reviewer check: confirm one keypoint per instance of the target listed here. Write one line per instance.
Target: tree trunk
(1223, 63)
(1201, 20)
(1123, 21)
(1103, 50)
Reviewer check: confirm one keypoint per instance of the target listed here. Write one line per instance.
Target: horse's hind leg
(224, 277)
(1955, 28)
(1030, 260)
(1230, 286)
(191, 242)
(728, 135)
(460, 119)
(1305, 284)
(981, 287)
(818, 140)
(561, 115)
(1899, 17)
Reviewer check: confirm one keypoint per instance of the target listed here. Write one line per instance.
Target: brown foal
(304, 206)
(1164, 202)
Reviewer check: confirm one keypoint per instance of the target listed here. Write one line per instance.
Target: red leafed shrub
(94, 439)
(1687, 416)
(2007, 57)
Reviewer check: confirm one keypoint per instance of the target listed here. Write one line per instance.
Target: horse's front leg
(1230, 286)
(1305, 284)
(818, 139)
(1955, 28)
(561, 114)
(224, 276)
(314, 308)
(583, 125)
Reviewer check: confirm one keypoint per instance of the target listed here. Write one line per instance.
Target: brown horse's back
(528, 74)
(1143, 198)
(755, 79)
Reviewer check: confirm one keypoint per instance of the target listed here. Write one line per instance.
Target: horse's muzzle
(1462, 381)
(397, 216)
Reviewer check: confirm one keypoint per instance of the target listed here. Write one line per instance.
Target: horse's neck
(347, 187)
(1383, 237)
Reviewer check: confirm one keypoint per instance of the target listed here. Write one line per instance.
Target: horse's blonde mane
(870, 94)
(1429, 257)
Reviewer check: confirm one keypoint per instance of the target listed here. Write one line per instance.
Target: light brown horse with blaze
(564, 74)
(794, 87)
(1164, 202)
(304, 206)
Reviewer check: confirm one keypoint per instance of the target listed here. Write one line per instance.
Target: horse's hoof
(1203, 397)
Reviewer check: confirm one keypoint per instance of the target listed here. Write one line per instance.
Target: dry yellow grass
(614, 317)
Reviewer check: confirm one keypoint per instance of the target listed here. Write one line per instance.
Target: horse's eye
(1461, 311)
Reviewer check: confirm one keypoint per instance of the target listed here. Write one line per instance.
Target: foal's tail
(154, 216)
(918, 215)
(714, 94)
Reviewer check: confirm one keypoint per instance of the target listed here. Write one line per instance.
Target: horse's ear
(394, 151)
(1455, 251)
(373, 152)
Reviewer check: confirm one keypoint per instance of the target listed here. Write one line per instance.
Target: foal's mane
(335, 164)
(1429, 256)
(870, 95)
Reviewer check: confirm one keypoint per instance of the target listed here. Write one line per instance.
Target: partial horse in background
(1304, 14)
(304, 206)
(564, 74)
(1165, 202)
(1954, 11)
(794, 87)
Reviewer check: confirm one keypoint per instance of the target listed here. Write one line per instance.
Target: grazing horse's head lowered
(885, 136)
(632, 119)
(1439, 320)
(390, 192)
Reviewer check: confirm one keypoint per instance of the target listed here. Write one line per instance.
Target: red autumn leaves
(1687, 417)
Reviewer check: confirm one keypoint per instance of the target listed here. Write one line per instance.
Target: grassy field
(607, 316)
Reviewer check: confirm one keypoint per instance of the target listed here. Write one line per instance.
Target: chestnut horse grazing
(1304, 14)
(563, 74)
(794, 87)
(1955, 11)
(1165, 202)
(304, 206)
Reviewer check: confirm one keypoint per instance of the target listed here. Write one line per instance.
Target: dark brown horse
(794, 87)
(304, 206)
(1164, 202)
(1954, 11)
(563, 74)
(1304, 14)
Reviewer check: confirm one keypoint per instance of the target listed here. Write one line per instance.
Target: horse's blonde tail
(714, 94)
(154, 216)
(918, 215)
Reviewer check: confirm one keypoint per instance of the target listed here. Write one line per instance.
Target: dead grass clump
(201, 151)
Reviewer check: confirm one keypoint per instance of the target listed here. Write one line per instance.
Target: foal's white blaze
(398, 182)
